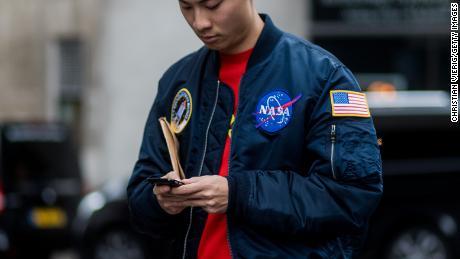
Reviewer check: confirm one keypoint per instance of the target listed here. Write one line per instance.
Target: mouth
(209, 39)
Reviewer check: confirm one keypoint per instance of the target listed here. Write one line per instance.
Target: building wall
(138, 41)
(29, 30)
(21, 62)
(127, 45)
(292, 16)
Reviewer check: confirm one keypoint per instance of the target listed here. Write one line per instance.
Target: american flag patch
(349, 103)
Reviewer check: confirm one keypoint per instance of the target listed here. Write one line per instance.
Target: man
(276, 141)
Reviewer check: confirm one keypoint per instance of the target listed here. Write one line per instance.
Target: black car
(40, 188)
(103, 228)
(419, 215)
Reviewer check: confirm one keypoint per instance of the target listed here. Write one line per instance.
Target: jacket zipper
(201, 165)
(341, 248)
(333, 139)
(229, 159)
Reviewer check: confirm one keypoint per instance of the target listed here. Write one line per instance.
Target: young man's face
(222, 25)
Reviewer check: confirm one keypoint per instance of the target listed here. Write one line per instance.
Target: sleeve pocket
(354, 152)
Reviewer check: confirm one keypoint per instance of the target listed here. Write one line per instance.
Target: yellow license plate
(49, 217)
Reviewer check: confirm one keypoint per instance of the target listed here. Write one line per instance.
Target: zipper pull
(333, 133)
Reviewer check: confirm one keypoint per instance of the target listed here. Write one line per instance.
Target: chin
(218, 46)
(214, 47)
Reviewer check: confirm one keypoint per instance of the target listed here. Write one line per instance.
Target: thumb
(172, 175)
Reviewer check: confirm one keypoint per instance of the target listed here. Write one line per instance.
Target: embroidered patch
(274, 111)
(231, 126)
(349, 104)
(181, 110)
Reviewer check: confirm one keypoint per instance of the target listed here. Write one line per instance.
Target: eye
(213, 6)
(185, 7)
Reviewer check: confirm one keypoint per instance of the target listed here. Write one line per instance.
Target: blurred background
(78, 77)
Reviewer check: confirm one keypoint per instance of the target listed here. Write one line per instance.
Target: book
(173, 146)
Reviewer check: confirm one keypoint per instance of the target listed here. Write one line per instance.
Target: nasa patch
(181, 110)
(274, 111)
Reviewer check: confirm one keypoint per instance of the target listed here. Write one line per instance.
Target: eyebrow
(201, 1)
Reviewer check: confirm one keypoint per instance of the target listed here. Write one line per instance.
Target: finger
(187, 189)
(169, 198)
(172, 175)
(191, 203)
(191, 180)
(161, 189)
(203, 195)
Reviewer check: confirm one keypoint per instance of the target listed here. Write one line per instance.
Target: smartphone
(164, 181)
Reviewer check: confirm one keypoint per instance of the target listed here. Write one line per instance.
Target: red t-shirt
(214, 243)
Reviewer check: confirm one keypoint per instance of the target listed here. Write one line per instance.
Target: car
(40, 188)
(419, 214)
(102, 225)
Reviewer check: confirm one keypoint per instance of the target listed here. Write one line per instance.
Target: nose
(201, 21)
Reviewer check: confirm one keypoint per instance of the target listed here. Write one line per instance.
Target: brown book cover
(173, 146)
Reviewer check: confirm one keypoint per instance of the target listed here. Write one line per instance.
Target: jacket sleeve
(146, 214)
(339, 191)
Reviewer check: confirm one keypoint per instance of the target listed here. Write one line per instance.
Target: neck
(250, 40)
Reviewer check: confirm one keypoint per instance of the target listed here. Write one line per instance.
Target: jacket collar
(266, 42)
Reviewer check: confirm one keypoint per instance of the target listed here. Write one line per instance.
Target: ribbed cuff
(239, 190)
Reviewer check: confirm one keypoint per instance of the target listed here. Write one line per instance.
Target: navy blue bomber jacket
(302, 182)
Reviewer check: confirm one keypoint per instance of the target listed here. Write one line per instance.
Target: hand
(166, 199)
(209, 192)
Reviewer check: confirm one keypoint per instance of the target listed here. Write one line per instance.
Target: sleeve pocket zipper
(333, 139)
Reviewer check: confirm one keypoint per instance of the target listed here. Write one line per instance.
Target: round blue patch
(274, 111)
